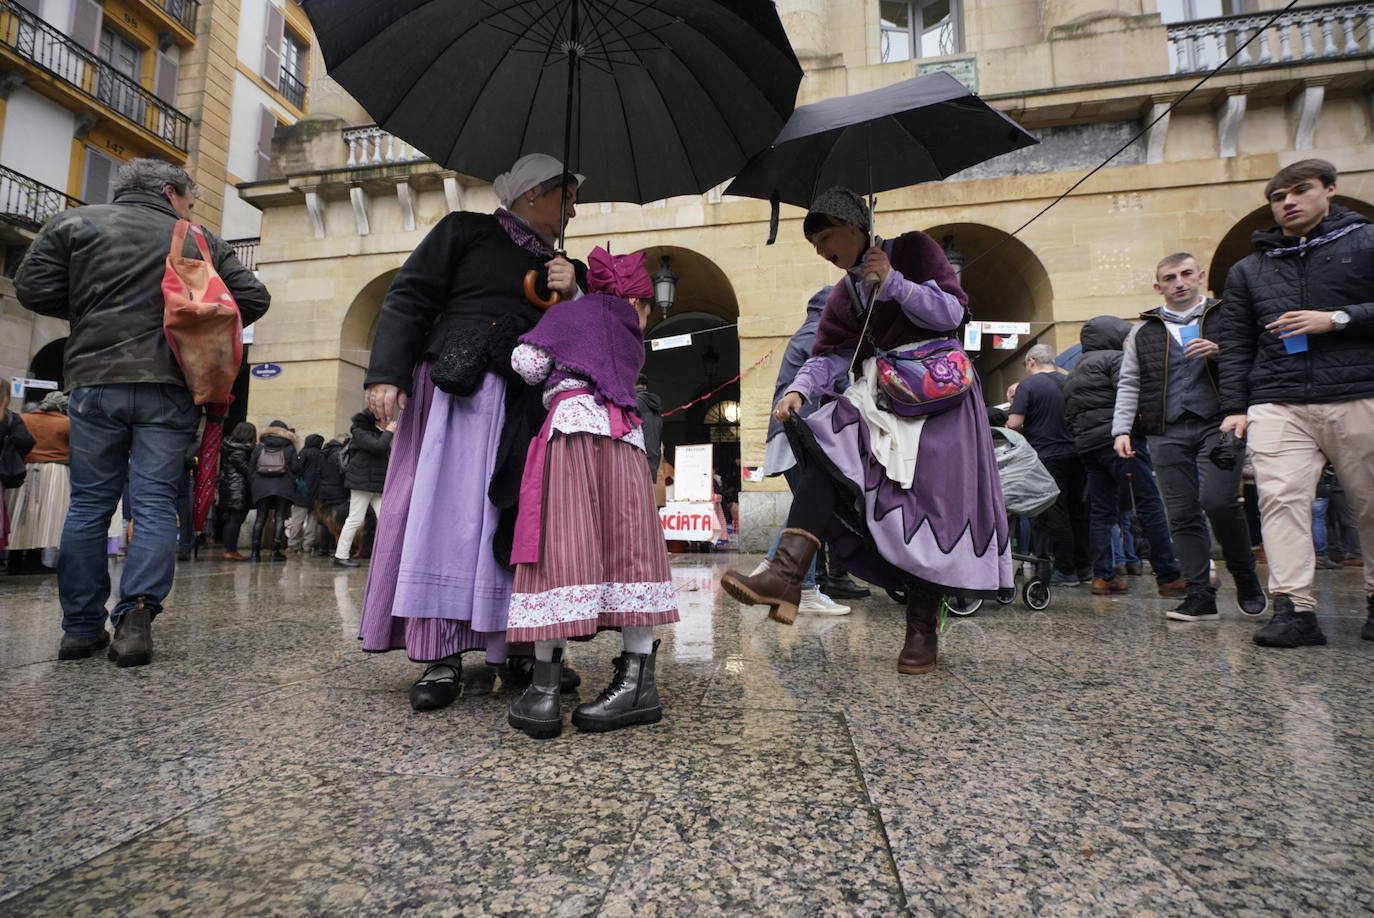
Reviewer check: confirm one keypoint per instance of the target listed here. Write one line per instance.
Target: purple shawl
(920, 259)
(597, 337)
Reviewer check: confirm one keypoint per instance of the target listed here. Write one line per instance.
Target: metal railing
(24, 34)
(183, 11)
(1302, 34)
(28, 202)
(292, 88)
(246, 250)
(369, 145)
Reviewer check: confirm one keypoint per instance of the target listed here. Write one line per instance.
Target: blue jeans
(1123, 541)
(1319, 506)
(809, 580)
(134, 432)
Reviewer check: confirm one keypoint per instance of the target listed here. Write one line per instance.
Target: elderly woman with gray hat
(440, 578)
(40, 507)
(897, 472)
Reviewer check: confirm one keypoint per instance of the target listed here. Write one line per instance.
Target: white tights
(637, 638)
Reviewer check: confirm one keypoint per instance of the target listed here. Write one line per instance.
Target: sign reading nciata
(688, 521)
(266, 370)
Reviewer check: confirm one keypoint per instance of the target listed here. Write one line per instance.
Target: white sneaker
(813, 600)
(763, 566)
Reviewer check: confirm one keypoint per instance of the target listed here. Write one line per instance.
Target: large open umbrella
(918, 130)
(648, 98)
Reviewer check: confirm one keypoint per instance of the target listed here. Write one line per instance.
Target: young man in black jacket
(1168, 392)
(1297, 375)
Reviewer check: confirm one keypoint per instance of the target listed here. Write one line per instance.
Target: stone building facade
(347, 202)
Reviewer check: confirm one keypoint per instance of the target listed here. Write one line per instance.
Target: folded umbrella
(919, 130)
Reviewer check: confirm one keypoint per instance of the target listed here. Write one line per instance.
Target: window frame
(915, 30)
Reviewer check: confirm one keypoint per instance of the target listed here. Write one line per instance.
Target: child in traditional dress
(589, 549)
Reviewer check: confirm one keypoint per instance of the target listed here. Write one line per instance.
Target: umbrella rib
(534, 96)
(629, 129)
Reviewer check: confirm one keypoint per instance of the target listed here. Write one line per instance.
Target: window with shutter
(165, 78)
(271, 52)
(99, 174)
(267, 125)
(87, 18)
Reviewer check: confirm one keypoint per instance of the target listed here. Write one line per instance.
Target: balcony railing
(28, 202)
(369, 145)
(183, 11)
(24, 34)
(1303, 34)
(292, 88)
(246, 250)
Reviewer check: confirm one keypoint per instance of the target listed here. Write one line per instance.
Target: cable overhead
(1141, 133)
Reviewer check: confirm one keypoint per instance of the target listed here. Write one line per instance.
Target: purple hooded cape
(920, 259)
(597, 337)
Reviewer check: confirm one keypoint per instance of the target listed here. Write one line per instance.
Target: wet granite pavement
(1090, 759)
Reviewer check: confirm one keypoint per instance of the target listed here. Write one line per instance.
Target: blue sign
(266, 370)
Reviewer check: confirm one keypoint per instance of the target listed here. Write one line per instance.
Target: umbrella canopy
(666, 97)
(918, 130)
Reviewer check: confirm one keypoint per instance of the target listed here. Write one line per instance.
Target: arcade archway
(355, 345)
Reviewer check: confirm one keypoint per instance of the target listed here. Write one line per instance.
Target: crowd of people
(503, 452)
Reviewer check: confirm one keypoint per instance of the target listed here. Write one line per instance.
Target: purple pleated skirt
(434, 587)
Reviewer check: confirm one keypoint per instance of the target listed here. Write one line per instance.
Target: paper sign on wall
(1006, 328)
(692, 472)
(669, 342)
(688, 521)
(973, 336)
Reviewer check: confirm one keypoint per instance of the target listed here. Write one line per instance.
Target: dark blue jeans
(1107, 482)
(134, 432)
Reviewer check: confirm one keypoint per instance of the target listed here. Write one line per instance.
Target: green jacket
(100, 267)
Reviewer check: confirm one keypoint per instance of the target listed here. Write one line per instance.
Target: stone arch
(1008, 284)
(356, 332)
(47, 363)
(1235, 245)
(705, 306)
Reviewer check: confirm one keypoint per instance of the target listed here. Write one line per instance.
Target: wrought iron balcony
(1307, 33)
(246, 250)
(292, 88)
(25, 35)
(369, 145)
(28, 202)
(183, 11)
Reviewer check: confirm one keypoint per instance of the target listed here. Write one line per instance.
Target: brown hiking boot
(1177, 587)
(922, 638)
(133, 638)
(1106, 587)
(779, 586)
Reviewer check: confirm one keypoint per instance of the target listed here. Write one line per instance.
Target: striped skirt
(603, 562)
(40, 507)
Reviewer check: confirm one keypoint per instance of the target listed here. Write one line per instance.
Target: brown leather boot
(778, 587)
(922, 622)
(133, 638)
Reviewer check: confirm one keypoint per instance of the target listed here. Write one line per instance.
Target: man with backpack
(100, 267)
(274, 487)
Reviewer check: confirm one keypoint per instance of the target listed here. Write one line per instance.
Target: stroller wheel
(897, 596)
(958, 605)
(1036, 594)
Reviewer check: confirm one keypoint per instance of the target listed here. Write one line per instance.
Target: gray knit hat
(842, 204)
(54, 401)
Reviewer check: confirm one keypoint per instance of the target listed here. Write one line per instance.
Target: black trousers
(282, 507)
(1061, 531)
(233, 522)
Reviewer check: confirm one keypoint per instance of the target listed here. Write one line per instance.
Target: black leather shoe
(1250, 597)
(569, 679)
(342, 562)
(843, 588)
(81, 646)
(133, 638)
(1196, 607)
(437, 687)
(278, 555)
(630, 700)
(536, 711)
(1289, 627)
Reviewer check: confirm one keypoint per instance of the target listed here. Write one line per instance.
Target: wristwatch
(1339, 320)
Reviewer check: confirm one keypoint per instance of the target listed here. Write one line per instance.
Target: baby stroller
(1028, 489)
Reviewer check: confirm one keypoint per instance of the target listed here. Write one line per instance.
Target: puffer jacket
(308, 468)
(235, 491)
(332, 487)
(283, 485)
(1090, 391)
(1329, 269)
(100, 267)
(367, 457)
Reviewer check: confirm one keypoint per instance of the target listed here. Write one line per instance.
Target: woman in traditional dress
(588, 544)
(906, 502)
(40, 510)
(440, 578)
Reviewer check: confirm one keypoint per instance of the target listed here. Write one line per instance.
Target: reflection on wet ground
(1089, 759)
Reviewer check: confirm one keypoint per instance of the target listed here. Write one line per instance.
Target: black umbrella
(650, 98)
(918, 130)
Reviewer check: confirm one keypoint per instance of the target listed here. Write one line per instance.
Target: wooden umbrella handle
(530, 278)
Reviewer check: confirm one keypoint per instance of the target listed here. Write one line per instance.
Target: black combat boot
(536, 711)
(630, 700)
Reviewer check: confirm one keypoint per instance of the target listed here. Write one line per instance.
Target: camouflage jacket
(100, 268)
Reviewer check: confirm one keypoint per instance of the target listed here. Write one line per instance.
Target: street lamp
(665, 286)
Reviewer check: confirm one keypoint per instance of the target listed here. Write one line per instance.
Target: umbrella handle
(871, 277)
(533, 297)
